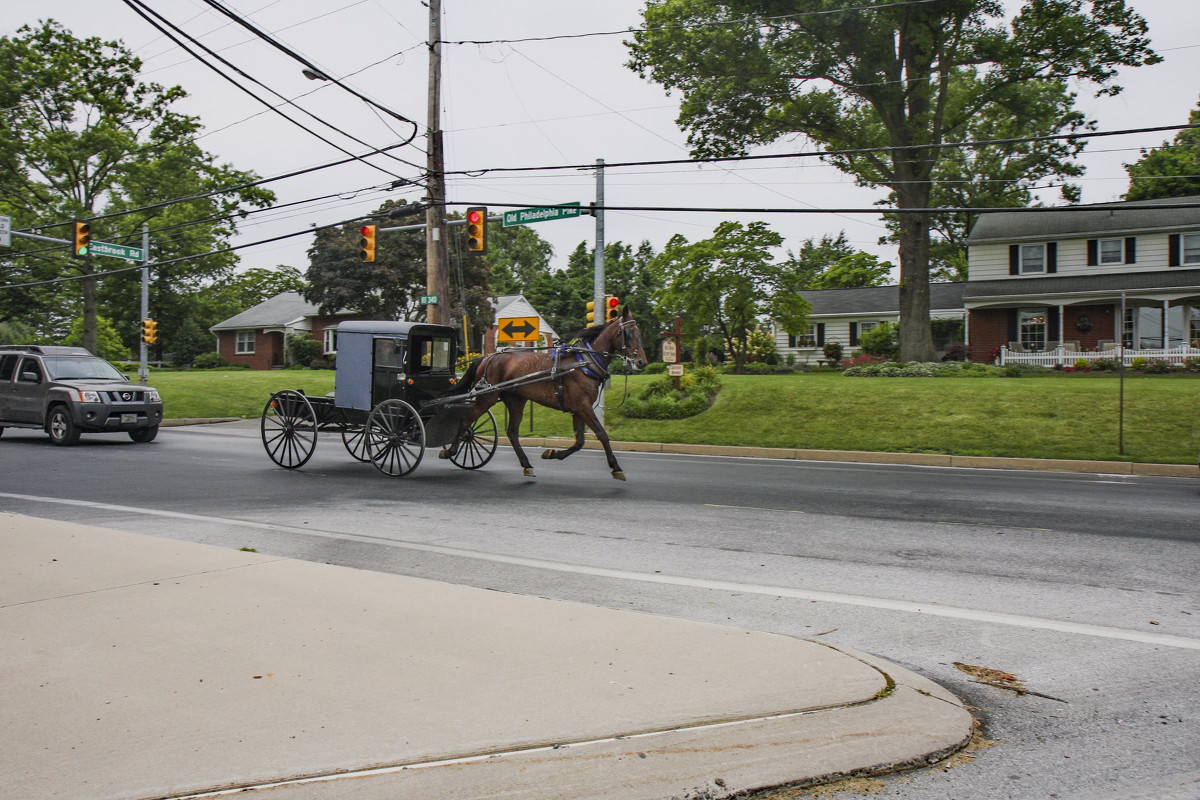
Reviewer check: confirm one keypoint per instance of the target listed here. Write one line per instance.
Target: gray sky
(534, 103)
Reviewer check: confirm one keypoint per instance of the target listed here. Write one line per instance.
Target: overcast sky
(569, 101)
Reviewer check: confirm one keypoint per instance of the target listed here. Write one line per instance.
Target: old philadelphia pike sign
(527, 216)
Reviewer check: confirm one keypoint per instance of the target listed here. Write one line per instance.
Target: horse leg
(561, 454)
(589, 417)
(516, 409)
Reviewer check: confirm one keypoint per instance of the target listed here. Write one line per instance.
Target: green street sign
(429, 299)
(117, 251)
(527, 216)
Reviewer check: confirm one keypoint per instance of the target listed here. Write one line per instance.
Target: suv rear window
(7, 363)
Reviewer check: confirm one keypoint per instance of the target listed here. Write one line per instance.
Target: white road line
(907, 606)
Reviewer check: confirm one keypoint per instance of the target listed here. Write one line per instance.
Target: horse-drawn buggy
(396, 392)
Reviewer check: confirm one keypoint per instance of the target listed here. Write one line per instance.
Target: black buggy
(394, 395)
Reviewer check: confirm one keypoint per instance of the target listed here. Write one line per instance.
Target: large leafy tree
(878, 74)
(832, 263)
(726, 285)
(82, 137)
(1172, 170)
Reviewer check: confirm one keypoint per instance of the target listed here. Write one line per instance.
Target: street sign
(117, 251)
(675, 370)
(429, 299)
(5, 231)
(517, 329)
(527, 216)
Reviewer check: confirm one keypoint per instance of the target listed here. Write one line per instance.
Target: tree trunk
(916, 338)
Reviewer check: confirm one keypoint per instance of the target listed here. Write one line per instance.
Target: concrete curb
(866, 457)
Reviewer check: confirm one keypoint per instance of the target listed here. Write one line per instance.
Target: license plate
(128, 419)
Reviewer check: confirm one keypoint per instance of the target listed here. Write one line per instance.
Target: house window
(1112, 251)
(244, 344)
(1191, 248)
(330, 337)
(1129, 328)
(1032, 329)
(1194, 331)
(808, 338)
(1033, 258)
(863, 327)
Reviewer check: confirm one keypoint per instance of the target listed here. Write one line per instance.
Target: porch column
(1062, 334)
(1166, 307)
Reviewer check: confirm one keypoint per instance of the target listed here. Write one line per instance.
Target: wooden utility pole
(437, 254)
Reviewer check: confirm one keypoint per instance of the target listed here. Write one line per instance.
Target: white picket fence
(1060, 355)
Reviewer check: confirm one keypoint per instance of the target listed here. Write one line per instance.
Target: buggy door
(431, 367)
(388, 370)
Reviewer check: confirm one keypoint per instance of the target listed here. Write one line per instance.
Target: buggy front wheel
(395, 438)
(289, 429)
(476, 444)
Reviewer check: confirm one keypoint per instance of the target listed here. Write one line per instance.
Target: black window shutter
(791, 340)
(1174, 243)
(1093, 252)
(1052, 324)
(1014, 259)
(1130, 250)
(1012, 325)
(1052, 257)
(820, 334)
(854, 334)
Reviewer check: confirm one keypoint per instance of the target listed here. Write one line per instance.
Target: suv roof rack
(46, 349)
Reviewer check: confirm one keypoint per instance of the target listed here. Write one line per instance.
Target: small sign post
(672, 345)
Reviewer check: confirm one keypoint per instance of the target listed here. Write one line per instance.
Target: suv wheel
(142, 435)
(61, 428)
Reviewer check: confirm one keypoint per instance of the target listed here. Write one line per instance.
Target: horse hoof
(443, 453)
(529, 472)
(548, 453)
(618, 475)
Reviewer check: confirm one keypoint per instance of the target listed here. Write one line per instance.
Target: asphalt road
(1084, 587)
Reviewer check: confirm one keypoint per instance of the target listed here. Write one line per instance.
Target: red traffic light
(613, 302)
(474, 216)
(477, 229)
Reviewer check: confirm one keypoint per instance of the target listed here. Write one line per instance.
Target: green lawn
(1053, 416)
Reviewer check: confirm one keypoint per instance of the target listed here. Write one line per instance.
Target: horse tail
(467, 380)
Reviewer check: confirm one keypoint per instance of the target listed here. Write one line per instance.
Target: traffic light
(149, 331)
(477, 229)
(591, 312)
(83, 239)
(610, 307)
(366, 245)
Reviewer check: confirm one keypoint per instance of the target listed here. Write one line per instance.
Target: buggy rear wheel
(354, 437)
(289, 429)
(395, 438)
(477, 444)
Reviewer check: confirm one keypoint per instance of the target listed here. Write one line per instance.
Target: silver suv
(67, 391)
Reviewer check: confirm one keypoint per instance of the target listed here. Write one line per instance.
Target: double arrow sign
(517, 329)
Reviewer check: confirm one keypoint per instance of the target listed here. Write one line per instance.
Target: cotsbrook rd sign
(526, 216)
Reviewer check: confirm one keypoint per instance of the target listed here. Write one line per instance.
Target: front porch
(1067, 356)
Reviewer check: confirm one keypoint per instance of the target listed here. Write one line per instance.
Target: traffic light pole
(598, 283)
(143, 365)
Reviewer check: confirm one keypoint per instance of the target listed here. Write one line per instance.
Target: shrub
(759, 368)
(302, 350)
(208, 361)
(1191, 364)
(1105, 364)
(1138, 363)
(655, 368)
(1083, 364)
(1157, 366)
(956, 351)
(659, 400)
(882, 340)
(833, 353)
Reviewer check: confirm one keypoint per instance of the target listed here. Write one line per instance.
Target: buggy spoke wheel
(289, 429)
(395, 438)
(355, 439)
(477, 444)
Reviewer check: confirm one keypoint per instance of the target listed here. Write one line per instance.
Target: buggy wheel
(477, 444)
(289, 429)
(395, 438)
(355, 439)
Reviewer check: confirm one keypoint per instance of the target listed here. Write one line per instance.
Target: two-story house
(1084, 277)
(1038, 279)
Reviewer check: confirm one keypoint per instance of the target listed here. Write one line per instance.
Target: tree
(881, 76)
(93, 141)
(108, 343)
(1172, 170)
(832, 263)
(518, 258)
(727, 283)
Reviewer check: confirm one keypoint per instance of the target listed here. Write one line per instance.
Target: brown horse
(567, 378)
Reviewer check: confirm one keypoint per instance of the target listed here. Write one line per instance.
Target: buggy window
(389, 353)
(431, 355)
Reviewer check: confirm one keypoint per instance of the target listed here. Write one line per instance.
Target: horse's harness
(587, 360)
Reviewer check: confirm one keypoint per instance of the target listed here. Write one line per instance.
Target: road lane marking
(758, 508)
(864, 601)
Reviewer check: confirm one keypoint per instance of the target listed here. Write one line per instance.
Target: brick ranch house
(256, 336)
(1050, 281)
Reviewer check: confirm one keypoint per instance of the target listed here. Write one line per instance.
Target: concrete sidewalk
(142, 667)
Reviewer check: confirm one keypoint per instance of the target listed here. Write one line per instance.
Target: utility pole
(437, 255)
(598, 282)
(143, 362)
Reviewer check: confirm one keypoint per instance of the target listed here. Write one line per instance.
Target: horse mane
(587, 334)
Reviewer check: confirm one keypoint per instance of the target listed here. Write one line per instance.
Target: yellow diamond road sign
(517, 329)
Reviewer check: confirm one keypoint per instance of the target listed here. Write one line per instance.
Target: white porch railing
(1060, 355)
